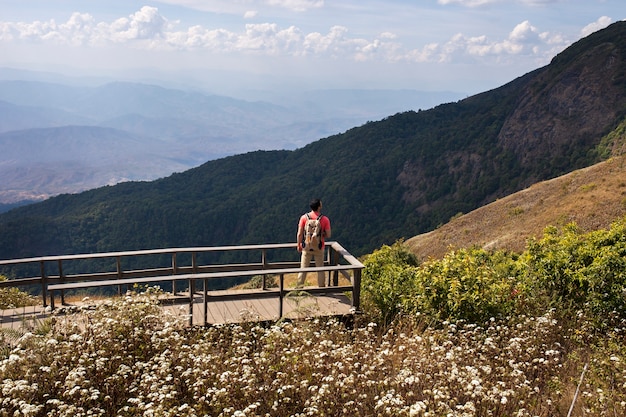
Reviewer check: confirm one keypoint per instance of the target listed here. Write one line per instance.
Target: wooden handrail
(150, 252)
(177, 272)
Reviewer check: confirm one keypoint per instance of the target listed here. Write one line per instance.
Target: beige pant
(305, 262)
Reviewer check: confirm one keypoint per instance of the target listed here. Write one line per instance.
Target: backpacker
(312, 233)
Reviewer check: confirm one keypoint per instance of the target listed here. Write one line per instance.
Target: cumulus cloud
(147, 23)
(148, 29)
(524, 39)
(601, 23)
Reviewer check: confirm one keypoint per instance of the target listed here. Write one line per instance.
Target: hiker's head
(316, 204)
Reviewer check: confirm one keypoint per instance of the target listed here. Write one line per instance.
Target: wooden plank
(268, 308)
(207, 275)
(220, 311)
(149, 252)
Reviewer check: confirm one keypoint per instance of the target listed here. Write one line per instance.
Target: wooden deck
(191, 268)
(218, 312)
(261, 308)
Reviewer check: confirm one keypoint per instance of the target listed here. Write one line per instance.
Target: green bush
(567, 271)
(386, 281)
(469, 284)
(578, 272)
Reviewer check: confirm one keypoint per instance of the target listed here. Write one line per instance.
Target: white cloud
(250, 14)
(539, 2)
(524, 39)
(148, 29)
(601, 23)
(147, 23)
(477, 3)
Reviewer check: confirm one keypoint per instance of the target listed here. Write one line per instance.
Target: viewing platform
(197, 288)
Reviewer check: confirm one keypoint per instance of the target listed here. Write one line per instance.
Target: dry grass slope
(593, 197)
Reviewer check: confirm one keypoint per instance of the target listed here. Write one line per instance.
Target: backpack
(312, 233)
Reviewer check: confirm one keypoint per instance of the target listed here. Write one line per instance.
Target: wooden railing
(52, 277)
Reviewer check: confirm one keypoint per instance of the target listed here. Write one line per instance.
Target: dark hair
(315, 204)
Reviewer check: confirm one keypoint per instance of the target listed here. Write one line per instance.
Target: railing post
(62, 280)
(174, 272)
(205, 300)
(356, 290)
(120, 274)
(334, 261)
(194, 268)
(264, 263)
(281, 296)
(191, 284)
(44, 283)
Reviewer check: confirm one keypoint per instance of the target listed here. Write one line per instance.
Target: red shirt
(324, 223)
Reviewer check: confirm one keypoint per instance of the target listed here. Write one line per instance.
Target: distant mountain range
(58, 138)
(394, 178)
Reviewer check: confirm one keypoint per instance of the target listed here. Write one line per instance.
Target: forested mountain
(382, 181)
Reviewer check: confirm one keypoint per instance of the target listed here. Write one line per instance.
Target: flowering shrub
(129, 358)
(468, 284)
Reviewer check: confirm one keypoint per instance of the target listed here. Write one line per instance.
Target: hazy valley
(62, 138)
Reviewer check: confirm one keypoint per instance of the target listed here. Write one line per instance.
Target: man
(312, 251)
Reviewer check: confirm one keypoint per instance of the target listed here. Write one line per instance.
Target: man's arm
(299, 236)
(326, 230)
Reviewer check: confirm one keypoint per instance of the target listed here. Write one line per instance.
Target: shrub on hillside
(468, 284)
(569, 271)
(581, 272)
(387, 280)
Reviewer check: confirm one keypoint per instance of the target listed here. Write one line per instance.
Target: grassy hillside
(591, 197)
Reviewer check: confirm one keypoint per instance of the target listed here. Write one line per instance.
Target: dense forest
(385, 180)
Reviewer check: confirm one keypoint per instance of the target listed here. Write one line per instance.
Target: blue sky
(466, 46)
